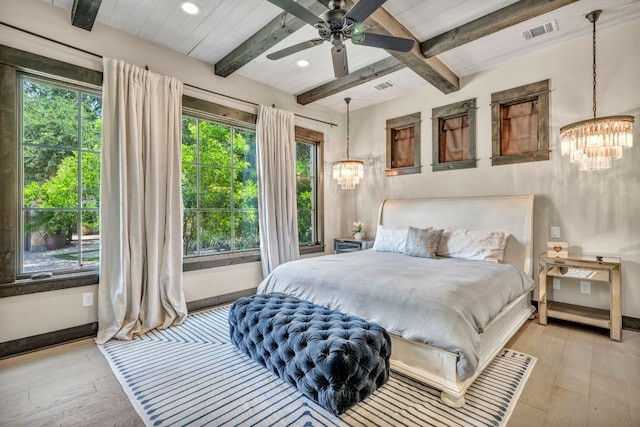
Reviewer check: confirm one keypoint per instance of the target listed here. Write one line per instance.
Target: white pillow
(390, 239)
(475, 245)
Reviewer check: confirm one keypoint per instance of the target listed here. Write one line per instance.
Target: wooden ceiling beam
(431, 69)
(355, 78)
(515, 13)
(84, 12)
(265, 38)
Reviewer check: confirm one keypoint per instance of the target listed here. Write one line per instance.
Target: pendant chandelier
(348, 172)
(593, 143)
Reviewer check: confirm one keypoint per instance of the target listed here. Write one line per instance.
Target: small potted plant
(357, 231)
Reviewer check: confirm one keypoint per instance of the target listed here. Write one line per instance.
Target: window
(308, 163)
(520, 124)
(306, 189)
(219, 187)
(454, 136)
(60, 128)
(403, 145)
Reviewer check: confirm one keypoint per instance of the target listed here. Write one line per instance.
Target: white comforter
(444, 302)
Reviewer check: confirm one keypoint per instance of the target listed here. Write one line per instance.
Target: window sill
(219, 260)
(74, 280)
(54, 283)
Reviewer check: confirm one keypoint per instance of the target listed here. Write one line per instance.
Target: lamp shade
(592, 144)
(348, 173)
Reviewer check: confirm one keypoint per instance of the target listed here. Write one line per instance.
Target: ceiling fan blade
(295, 48)
(298, 11)
(362, 9)
(385, 42)
(339, 57)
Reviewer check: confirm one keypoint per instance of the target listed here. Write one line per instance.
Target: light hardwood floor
(581, 379)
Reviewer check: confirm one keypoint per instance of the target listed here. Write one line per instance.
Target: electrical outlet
(555, 232)
(556, 283)
(585, 287)
(87, 299)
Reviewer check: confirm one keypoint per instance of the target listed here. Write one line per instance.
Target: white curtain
(141, 203)
(277, 208)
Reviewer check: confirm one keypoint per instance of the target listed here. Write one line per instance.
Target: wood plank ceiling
(454, 39)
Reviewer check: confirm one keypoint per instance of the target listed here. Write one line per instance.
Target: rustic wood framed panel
(454, 136)
(403, 145)
(520, 124)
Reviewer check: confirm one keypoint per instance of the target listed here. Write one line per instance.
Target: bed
(448, 337)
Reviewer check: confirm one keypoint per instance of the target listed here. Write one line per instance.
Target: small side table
(349, 244)
(588, 268)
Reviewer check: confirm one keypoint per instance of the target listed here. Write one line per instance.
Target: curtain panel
(141, 203)
(277, 205)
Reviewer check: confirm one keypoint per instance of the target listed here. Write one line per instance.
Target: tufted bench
(333, 358)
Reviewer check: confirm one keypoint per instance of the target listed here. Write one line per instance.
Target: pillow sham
(390, 239)
(422, 243)
(473, 244)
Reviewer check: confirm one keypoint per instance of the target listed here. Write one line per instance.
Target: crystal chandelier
(593, 143)
(348, 172)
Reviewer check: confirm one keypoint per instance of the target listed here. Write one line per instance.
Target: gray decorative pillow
(422, 243)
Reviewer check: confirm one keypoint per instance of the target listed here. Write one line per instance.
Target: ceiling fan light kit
(593, 143)
(336, 25)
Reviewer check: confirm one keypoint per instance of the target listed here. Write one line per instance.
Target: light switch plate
(555, 232)
(87, 299)
(585, 287)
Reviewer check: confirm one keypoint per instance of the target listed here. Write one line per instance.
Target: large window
(308, 172)
(219, 187)
(61, 133)
(306, 190)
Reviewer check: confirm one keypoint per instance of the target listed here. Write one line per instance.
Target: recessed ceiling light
(303, 63)
(190, 7)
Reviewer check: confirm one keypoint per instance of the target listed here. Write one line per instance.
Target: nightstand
(349, 244)
(585, 268)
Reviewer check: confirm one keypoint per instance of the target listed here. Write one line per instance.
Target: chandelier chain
(594, 68)
(347, 100)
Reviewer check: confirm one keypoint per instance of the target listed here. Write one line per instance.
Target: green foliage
(51, 156)
(223, 207)
(219, 172)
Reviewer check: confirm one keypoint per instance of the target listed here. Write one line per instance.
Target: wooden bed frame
(513, 214)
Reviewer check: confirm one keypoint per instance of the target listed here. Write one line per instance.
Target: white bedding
(444, 302)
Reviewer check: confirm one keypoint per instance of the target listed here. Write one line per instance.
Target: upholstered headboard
(511, 214)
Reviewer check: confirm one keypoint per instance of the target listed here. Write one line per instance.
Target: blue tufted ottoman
(333, 358)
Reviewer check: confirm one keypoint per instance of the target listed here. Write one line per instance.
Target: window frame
(467, 109)
(234, 126)
(538, 92)
(315, 138)
(81, 89)
(12, 62)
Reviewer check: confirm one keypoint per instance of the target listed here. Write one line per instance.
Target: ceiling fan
(335, 26)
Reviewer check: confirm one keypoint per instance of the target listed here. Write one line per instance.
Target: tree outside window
(219, 187)
(61, 135)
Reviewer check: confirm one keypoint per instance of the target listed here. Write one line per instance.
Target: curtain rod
(186, 84)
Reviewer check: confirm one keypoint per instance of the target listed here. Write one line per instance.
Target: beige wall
(598, 212)
(28, 315)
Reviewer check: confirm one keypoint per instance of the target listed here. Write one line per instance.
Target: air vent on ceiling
(384, 85)
(545, 28)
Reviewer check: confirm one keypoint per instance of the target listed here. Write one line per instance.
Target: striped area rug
(192, 375)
